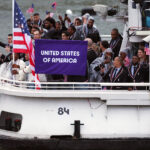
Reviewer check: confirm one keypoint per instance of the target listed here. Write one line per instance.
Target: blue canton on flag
(22, 38)
(19, 20)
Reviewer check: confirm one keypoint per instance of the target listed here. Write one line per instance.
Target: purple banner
(60, 57)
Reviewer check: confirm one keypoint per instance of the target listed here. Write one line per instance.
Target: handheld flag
(30, 10)
(54, 4)
(147, 49)
(22, 42)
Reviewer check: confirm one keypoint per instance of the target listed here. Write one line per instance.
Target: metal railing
(6, 83)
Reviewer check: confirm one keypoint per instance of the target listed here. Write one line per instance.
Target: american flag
(22, 42)
(30, 10)
(147, 49)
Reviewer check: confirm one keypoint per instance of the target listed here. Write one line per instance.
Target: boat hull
(76, 144)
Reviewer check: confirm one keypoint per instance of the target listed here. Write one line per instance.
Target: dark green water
(42, 5)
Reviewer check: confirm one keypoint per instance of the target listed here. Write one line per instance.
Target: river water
(42, 5)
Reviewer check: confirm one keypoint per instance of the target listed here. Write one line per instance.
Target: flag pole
(13, 2)
(56, 13)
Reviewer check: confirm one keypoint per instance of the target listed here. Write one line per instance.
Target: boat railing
(7, 83)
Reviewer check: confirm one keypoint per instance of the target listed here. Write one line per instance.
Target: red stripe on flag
(20, 50)
(18, 34)
(19, 42)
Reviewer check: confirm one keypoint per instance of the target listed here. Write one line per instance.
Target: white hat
(91, 18)
(87, 15)
(69, 12)
(124, 51)
(79, 18)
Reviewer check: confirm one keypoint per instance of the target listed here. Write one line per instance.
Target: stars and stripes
(147, 49)
(22, 42)
(30, 10)
(21, 34)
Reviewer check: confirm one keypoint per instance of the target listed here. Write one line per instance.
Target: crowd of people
(105, 61)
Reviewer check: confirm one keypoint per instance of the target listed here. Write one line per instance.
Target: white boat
(80, 113)
(72, 116)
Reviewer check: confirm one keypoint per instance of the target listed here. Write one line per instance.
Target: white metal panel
(123, 120)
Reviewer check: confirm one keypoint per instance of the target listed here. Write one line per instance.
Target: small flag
(54, 4)
(147, 49)
(30, 10)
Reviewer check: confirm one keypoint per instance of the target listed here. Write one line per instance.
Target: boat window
(10, 121)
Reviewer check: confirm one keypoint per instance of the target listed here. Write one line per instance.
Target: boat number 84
(63, 110)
